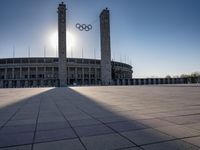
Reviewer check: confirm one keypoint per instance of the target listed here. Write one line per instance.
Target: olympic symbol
(83, 27)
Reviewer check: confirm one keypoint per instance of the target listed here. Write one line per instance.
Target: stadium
(44, 72)
(62, 71)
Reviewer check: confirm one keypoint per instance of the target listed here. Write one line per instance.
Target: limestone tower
(106, 78)
(62, 44)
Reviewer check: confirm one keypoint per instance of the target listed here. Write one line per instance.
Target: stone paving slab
(16, 139)
(194, 126)
(1, 123)
(126, 126)
(147, 136)
(181, 120)
(113, 119)
(25, 147)
(52, 126)
(51, 135)
(73, 144)
(132, 148)
(17, 129)
(106, 142)
(92, 130)
(84, 122)
(155, 123)
(193, 140)
(104, 118)
(179, 131)
(21, 122)
(171, 145)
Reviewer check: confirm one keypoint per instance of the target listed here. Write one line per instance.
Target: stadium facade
(62, 71)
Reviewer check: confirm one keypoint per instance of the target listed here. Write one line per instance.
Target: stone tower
(62, 44)
(106, 78)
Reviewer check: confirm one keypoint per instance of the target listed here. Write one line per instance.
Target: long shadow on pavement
(66, 118)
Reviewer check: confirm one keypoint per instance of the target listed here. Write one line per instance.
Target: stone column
(42, 83)
(83, 78)
(154, 80)
(36, 73)
(18, 83)
(89, 73)
(5, 73)
(1, 83)
(26, 83)
(129, 82)
(134, 82)
(105, 47)
(53, 73)
(149, 81)
(34, 83)
(62, 44)
(28, 73)
(117, 82)
(173, 81)
(10, 84)
(95, 76)
(49, 83)
(13, 74)
(76, 76)
(20, 73)
(181, 81)
(138, 81)
(168, 80)
(144, 81)
(123, 81)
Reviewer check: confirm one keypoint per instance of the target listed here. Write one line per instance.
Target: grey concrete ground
(98, 118)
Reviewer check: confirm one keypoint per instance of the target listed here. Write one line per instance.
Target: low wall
(150, 81)
(134, 81)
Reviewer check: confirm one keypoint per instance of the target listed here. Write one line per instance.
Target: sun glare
(53, 39)
(70, 39)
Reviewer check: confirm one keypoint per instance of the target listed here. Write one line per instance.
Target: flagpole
(13, 51)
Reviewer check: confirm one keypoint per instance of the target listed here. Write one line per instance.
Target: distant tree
(184, 76)
(195, 74)
(168, 76)
(175, 76)
(194, 77)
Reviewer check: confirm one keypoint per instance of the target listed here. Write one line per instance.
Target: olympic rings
(83, 27)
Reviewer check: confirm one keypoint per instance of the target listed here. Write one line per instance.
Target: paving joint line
(175, 138)
(38, 142)
(123, 135)
(16, 145)
(69, 124)
(107, 126)
(18, 109)
(34, 136)
(125, 148)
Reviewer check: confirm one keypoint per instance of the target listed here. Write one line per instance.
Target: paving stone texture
(101, 118)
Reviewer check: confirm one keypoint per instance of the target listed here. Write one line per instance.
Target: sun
(70, 39)
(53, 39)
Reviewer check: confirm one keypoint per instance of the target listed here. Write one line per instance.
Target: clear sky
(158, 37)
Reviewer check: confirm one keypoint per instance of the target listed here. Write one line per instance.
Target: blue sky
(158, 37)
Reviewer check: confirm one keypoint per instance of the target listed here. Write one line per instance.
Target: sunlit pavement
(98, 118)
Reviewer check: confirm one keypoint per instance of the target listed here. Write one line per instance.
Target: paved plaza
(101, 118)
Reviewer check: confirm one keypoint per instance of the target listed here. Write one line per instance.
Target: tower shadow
(45, 115)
